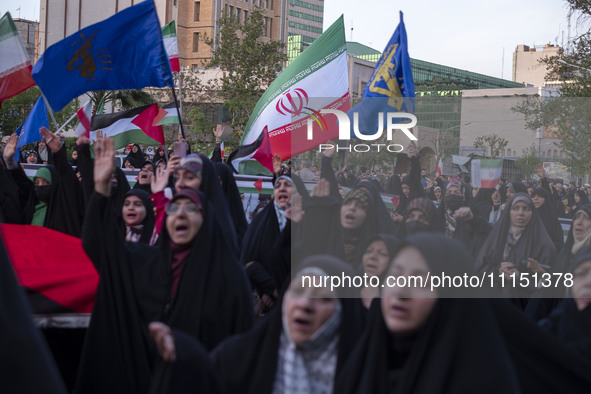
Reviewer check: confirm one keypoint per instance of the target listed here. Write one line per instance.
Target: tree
(248, 61)
(490, 143)
(528, 161)
(569, 112)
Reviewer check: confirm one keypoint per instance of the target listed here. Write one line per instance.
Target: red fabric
(145, 122)
(53, 264)
(15, 83)
(259, 185)
(174, 64)
(264, 153)
(160, 201)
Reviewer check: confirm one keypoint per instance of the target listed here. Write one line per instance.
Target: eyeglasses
(175, 208)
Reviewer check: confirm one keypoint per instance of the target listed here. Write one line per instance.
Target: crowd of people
(192, 297)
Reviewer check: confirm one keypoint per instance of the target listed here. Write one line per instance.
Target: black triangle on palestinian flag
(260, 150)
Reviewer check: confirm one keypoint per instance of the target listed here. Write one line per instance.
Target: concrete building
(29, 33)
(489, 111)
(305, 19)
(527, 68)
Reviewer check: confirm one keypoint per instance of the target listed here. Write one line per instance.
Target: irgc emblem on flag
(391, 87)
(125, 51)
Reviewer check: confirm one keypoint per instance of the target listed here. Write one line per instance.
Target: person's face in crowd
(161, 153)
(530, 190)
(376, 258)
(127, 164)
(559, 187)
(352, 215)
(183, 221)
(453, 190)
(582, 285)
(306, 309)
(406, 309)
(405, 190)
(41, 182)
(314, 169)
(32, 158)
(161, 165)
(571, 186)
(475, 191)
(342, 192)
(282, 192)
(496, 197)
(423, 173)
(510, 194)
(41, 144)
(437, 193)
(581, 224)
(134, 148)
(75, 155)
(577, 198)
(186, 180)
(133, 211)
(538, 200)
(417, 215)
(403, 175)
(521, 214)
(146, 174)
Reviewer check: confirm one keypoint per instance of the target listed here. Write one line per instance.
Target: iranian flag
(15, 66)
(317, 79)
(170, 44)
(486, 173)
(129, 127)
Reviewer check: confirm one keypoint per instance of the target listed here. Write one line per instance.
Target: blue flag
(124, 51)
(391, 87)
(28, 131)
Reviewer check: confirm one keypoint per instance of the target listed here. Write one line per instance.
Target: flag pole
(180, 91)
(50, 111)
(176, 103)
(67, 121)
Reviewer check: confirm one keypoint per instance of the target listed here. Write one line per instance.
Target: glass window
(195, 42)
(197, 11)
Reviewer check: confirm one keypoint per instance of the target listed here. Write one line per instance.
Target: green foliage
(249, 63)
(491, 144)
(124, 99)
(528, 161)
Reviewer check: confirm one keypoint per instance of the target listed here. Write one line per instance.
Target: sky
(466, 34)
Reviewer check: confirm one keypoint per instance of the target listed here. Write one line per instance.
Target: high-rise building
(28, 31)
(527, 68)
(305, 19)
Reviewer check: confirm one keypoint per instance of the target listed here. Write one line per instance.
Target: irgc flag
(124, 51)
(391, 87)
(486, 173)
(15, 66)
(316, 79)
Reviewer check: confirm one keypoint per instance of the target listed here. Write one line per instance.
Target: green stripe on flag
(135, 136)
(7, 27)
(169, 30)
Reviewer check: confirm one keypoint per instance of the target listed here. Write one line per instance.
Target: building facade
(305, 18)
(527, 68)
(29, 33)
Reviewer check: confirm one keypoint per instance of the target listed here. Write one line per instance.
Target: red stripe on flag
(174, 64)
(53, 264)
(264, 153)
(83, 119)
(16, 82)
(145, 121)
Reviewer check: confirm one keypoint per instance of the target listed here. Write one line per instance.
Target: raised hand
(50, 139)
(159, 182)
(322, 189)
(295, 213)
(218, 132)
(330, 151)
(411, 151)
(104, 165)
(82, 140)
(10, 148)
(277, 165)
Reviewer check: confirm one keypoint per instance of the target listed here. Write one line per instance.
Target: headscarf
(258, 369)
(136, 159)
(549, 218)
(233, 197)
(427, 207)
(142, 232)
(458, 349)
(281, 211)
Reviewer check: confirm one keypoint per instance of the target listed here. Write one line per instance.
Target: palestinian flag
(129, 127)
(260, 151)
(170, 44)
(15, 66)
(53, 268)
(84, 115)
(317, 79)
(167, 115)
(486, 173)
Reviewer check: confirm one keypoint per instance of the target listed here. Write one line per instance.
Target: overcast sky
(466, 34)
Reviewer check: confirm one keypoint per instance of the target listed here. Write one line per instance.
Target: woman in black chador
(185, 283)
